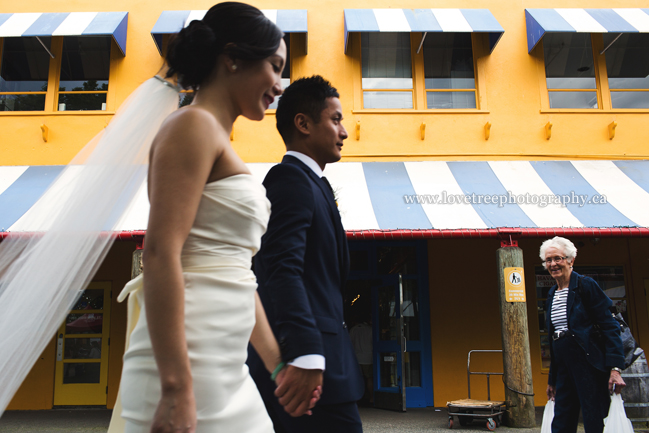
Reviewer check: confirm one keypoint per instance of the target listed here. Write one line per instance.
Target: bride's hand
(176, 413)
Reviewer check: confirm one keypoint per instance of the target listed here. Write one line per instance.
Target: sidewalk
(374, 421)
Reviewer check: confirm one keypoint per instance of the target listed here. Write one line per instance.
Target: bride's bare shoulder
(190, 124)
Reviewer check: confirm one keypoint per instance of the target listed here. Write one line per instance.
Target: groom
(302, 266)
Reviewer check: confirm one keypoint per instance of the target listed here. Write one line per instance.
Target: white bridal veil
(43, 273)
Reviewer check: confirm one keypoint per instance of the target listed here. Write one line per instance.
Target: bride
(185, 365)
(184, 369)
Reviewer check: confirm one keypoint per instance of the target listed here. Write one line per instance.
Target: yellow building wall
(510, 83)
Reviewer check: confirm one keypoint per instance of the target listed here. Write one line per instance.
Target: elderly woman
(586, 363)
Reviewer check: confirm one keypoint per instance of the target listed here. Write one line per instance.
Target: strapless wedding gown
(219, 316)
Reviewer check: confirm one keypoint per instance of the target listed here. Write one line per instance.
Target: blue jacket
(301, 270)
(585, 306)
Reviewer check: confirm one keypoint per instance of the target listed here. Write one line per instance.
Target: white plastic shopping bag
(548, 415)
(616, 421)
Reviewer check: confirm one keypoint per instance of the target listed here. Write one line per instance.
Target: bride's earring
(234, 68)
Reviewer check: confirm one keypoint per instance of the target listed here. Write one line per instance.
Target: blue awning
(170, 22)
(66, 24)
(620, 20)
(420, 195)
(423, 20)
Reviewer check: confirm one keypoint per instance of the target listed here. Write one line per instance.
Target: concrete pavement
(423, 420)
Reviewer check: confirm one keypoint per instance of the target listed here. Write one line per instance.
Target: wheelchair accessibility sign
(514, 284)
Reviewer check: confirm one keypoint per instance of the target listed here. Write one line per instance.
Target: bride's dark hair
(239, 30)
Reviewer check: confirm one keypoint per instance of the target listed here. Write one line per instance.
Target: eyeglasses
(557, 260)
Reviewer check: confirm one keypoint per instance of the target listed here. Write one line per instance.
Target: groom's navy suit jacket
(301, 271)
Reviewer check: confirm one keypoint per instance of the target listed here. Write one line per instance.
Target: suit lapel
(343, 254)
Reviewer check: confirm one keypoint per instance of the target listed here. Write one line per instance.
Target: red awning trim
(501, 233)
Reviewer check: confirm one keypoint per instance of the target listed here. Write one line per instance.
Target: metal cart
(467, 410)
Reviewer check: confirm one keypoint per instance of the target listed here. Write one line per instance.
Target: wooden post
(517, 367)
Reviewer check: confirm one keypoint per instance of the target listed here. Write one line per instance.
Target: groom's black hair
(307, 96)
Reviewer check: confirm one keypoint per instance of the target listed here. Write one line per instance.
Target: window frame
(603, 90)
(480, 49)
(54, 78)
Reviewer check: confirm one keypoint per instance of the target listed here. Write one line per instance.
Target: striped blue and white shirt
(558, 315)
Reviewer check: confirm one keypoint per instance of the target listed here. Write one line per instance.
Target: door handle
(59, 348)
(405, 344)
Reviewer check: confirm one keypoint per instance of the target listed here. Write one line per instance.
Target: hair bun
(192, 54)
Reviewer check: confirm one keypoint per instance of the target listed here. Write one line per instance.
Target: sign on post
(514, 284)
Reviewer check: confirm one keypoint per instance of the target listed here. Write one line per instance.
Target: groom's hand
(298, 389)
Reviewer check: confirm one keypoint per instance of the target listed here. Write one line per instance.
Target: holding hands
(298, 389)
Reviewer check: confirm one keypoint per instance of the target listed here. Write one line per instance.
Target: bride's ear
(231, 64)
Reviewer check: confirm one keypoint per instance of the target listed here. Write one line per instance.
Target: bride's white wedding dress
(219, 316)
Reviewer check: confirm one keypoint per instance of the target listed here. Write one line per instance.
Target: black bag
(631, 348)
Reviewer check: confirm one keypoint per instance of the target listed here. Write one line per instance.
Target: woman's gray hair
(560, 243)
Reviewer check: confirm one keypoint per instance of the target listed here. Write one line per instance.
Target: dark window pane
(90, 299)
(388, 370)
(22, 102)
(456, 100)
(82, 101)
(81, 372)
(397, 260)
(541, 312)
(85, 63)
(411, 310)
(359, 260)
(448, 61)
(25, 65)
(627, 61)
(569, 61)
(413, 368)
(545, 351)
(82, 348)
(387, 314)
(386, 55)
(89, 323)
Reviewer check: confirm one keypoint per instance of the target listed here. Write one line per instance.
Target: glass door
(81, 376)
(389, 344)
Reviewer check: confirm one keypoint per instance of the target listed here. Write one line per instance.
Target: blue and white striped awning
(66, 24)
(424, 195)
(170, 22)
(622, 20)
(423, 20)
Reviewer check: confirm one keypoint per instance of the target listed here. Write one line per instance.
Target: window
(449, 71)
(386, 70)
(85, 66)
(609, 278)
(569, 70)
(627, 66)
(80, 65)
(575, 79)
(400, 72)
(24, 68)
